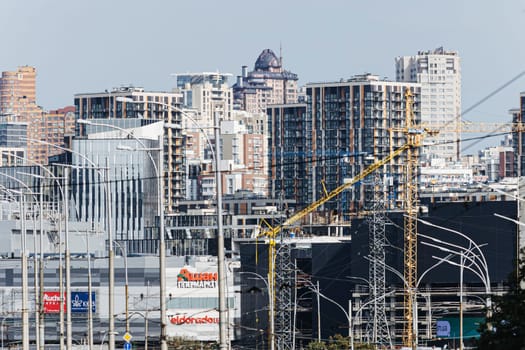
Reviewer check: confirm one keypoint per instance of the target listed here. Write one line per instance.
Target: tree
(505, 329)
(337, 342)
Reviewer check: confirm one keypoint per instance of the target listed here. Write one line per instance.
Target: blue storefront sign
(80, 302)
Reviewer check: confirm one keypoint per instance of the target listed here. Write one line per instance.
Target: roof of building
(266, 60)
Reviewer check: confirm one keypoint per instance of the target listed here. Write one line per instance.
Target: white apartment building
(242, 145)
(206, 93)
(439, 73)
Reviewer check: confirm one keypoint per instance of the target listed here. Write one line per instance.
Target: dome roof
(267, 59)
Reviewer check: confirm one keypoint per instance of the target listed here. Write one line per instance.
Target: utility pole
(40, 306)
(25, 311)
(223, 321)
(69, 326)
(90, 297)
(61, 284)
(111, 268)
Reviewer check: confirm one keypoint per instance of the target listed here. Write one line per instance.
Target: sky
(94, 45)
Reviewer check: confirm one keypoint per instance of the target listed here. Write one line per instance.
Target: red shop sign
(52, 302)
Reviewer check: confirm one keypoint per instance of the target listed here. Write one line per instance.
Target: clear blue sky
(93, 45)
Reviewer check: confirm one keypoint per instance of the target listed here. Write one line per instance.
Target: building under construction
(341, 129)
(338, 268)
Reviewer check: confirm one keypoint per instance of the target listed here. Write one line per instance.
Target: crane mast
(410, 224)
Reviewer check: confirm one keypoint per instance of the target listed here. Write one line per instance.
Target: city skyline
(97, 45)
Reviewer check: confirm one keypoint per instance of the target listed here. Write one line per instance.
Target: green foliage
(315, 345)
(505, 329)
(337, 342)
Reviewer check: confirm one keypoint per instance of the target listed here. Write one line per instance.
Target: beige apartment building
(268, 84)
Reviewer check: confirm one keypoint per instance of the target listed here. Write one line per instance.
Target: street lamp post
(25, 314)
(160, 211)
(221, 272)
(90, 297)
(23, 244)
(126, 286)
(223, 321)
(271, 316)
(111, 272)
(41, 320)
(463, 256)
(482, 266)
(348, 314)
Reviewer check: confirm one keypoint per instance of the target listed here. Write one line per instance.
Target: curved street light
(481, 256)
(41, 326)
(462, 266)
(111, 272)
(159, 174)
(271, 315)
(23, 248)
(221, 271)
(124, 252)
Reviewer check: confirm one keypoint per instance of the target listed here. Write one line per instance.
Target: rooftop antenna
(281, 54)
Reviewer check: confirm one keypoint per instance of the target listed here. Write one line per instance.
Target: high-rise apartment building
(518, 140)
(269, 83)
(103, 107)
(244, 154)
(439, 73)
(59, 124)
(18, 105)
(343, 127)
(242, 143)
(206, 93)
(18, 102)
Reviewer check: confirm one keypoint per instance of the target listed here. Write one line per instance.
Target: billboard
(52, 302)
(79, 302)
(194, 324)
(190, 279)
(448, 327)
(193, 301)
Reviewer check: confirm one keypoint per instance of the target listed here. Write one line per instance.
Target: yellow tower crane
(414, 136)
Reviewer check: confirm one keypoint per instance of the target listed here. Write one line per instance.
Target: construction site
(374, 259)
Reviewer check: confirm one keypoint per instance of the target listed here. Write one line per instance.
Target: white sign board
(193, 301)
(193, 324)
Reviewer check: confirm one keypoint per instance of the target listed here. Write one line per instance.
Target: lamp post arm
(478, 272)
(509, 219)
(185, 114)
(463, 266)
(484, 261)
(432, 267)
(313, 288)
(463, 249)
(128, 133)
(391, 269)
(49, 172)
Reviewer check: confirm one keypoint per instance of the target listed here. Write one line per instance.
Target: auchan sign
(52, 302)
(188, 279)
